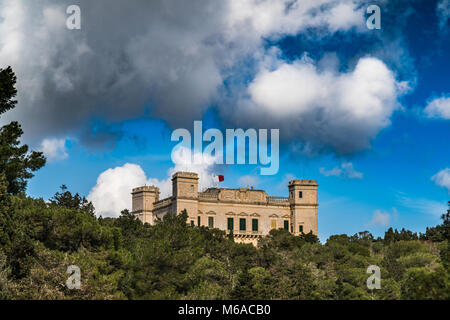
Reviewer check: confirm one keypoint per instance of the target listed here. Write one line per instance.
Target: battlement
(188, 175)
(303, 182)
(145, 189)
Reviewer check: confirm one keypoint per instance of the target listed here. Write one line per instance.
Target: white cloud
(438, 108)
(248, 180)
(344, 110)
(205, 169)
(421, 205)
(442, 178)
(111, 194)
(443, 12)
(346, 169)
(54, 149)
(382, 218)
(271, 18)
(350, 171)
(335, 172)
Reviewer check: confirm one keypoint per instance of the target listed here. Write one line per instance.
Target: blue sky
(110, 95)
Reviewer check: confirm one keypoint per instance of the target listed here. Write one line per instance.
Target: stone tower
(142, 204)
(185, 190)
(303, 204)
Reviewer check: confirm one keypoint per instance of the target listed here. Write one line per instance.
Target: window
(230, 223)
(192, 188)
(211, 222)
(199, 221)
(192, 223)
(300, 228)
(286, 225)
(242, 225)
(300, 194)
(273, 224)
(254, 224)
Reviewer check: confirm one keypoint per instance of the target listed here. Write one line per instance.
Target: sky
(365, 112)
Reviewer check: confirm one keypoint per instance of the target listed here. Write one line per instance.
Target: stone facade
(249, 214)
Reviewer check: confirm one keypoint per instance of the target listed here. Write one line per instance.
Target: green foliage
(4, 278)
(393, 236)
(7, 89)
(122, 258)
(17, 164)
(421, 283)
(440, 232)
(67, 200)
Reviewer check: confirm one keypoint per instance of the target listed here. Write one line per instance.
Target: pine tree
(7, 89)
(17, 164)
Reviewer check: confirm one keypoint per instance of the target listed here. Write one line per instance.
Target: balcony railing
(277, 199)
(272, 200)
(245, 232)
(208, 195)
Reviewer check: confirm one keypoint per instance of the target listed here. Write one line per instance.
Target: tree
(446, 224)
(16, 163)
(67, 200)
(389, 236)
(440, 232)
(4, 274)
(422, 284)
(309, 237)
(131, 228)
(7, 89)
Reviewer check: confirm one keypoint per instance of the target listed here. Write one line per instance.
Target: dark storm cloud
(128, 55)
(172, 58)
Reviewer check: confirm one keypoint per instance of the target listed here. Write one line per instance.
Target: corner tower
(142, 203)
(185, 193)
(185, 185)
(304, 205)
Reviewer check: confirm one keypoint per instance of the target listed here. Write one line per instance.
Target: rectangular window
(286, 225)
(254, 224)
(300, 228)
(192, 223)
(300, 194)
(242, 225)
(273, 224)
(230, 223)
(198, 221)
(211, 222)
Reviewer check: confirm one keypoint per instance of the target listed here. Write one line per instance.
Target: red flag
(221, 178)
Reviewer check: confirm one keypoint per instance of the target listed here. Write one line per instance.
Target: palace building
(249, 214)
